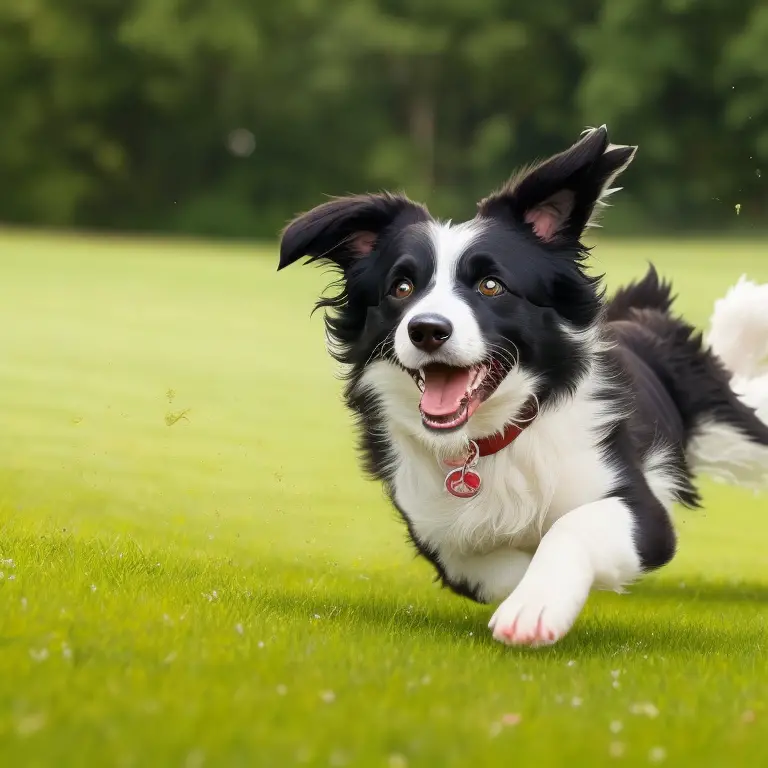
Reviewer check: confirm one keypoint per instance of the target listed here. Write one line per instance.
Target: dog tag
(462, 483)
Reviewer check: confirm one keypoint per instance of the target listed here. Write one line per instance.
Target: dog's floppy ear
(558, 198)
(345, 229)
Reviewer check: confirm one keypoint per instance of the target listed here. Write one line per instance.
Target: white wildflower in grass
(397, 761)
(657, 755)
(239, 628)
(281, 690)
(616, 749)
(30, 724)
(38, 654)
(195, 759)
(576, 701)
(644, 708)
(616, 726)
(328, 697)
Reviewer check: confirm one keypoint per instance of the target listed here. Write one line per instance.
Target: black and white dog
(532, 435)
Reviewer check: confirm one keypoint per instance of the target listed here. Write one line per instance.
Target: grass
(194, 572)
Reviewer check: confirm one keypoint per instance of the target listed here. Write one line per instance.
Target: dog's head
(456, 326)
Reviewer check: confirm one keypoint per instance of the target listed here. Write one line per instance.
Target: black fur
(676, 384)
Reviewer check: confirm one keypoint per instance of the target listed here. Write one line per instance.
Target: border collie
(532, 434)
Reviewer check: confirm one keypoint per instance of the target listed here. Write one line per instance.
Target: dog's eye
(402, 289)
(490, 286)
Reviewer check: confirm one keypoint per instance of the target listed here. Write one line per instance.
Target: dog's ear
(345, 229)
(558, 198)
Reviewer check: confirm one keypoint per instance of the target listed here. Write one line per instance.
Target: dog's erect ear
(558, 197)
(345, 229)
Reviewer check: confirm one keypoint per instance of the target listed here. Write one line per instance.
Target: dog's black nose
(429, 332)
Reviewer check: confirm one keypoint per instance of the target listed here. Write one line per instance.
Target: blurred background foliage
(226, 117)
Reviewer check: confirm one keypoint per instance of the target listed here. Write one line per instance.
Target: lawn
(195, 574)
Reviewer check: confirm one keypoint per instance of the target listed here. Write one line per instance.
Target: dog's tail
(731, 442)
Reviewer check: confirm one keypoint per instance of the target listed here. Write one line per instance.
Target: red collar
(463, 481)
(487, 446)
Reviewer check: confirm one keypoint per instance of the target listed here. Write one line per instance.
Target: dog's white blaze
(466, 346)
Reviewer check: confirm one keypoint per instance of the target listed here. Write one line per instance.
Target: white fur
(497, 572)
(738, 332)
(466, 345)
(592, 545)
(754, 393)
(738, 335)
(663, 484)
(725, 454)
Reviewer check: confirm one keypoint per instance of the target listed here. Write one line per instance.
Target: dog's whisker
(379, 349)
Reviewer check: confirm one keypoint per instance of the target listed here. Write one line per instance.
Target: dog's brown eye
(402, 289)
(490, 286)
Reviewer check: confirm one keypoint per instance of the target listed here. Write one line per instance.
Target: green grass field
(195, 574)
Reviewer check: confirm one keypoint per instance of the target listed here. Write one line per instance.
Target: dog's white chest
(512, 499)
(525, 488)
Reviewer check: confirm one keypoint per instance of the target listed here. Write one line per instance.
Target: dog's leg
(490, 577)
(602, 544)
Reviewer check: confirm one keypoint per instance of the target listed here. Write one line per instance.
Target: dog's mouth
(451, 395)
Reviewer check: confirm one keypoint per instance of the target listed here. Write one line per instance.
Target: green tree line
(226, 117)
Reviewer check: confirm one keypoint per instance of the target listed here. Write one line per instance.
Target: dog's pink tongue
(444, 389)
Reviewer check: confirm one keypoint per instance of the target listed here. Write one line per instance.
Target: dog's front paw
(535, 617)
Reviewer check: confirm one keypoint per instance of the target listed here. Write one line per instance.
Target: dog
(532, 434)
